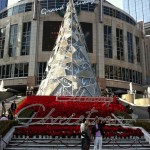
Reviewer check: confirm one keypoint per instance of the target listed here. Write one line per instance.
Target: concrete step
(59, 148)
(74, 144)
(105, 143)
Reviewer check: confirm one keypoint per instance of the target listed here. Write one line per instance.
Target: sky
(11, 2)
(117, 3)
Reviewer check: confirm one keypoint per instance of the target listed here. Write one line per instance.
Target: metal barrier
(57, 141)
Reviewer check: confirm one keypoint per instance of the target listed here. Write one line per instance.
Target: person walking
(98, 134)
(3, 107)
(13, 108)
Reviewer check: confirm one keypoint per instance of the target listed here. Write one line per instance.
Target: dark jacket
(13, 106)
(100, 128)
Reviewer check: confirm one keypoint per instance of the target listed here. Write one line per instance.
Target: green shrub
(143, 124)
(123, 114)
(5, 126)
(138, 123)
(25, 114)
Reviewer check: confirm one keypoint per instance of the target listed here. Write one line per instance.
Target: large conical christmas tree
(69, 71)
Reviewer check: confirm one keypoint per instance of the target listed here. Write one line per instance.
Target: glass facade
(2, 41)
(3, 4)
(139, 9)
(13, 40)
(138, 53)
(14, 70)
(26, 35)
(108, 41)
(118, 14)
(16, 10)
(130, 47)
(40, 71)
(124, 74)
(120, 50)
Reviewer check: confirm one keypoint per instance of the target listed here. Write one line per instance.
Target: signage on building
(45, 11)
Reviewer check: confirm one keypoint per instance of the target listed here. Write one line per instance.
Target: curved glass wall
(117, 14)
(16, 10)
(139, 9)
(123, 74)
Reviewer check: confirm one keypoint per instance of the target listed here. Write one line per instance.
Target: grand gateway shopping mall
(116, 44)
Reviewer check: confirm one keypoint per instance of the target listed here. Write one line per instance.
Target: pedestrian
(3, 117)
(85, 135)
(3, 107)
(82, 136)
(13, 108)
(98, 134)
(129, 110)
(148, 110)
(10, 115)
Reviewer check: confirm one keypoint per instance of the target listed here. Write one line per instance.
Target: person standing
(85, 135)
(13, 108)
(3, 107)
(98, 134)
(82, 126)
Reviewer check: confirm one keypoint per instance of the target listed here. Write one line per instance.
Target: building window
(13, 40)
(51, 30)
(120, 50)
(123, 74)
(15, 10)
(107, 41)
(2, 41)
(117, 14)
(50, 33)
(14, 70)
(138, 54)
(40, 71)
(115, 73)
(28, 7)
(26, 35)
(107, 72)
(94, 68)
(130, 47)
(19, 9)
(21, 70)
(88, 35)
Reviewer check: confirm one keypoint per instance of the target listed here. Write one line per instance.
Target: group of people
(10, 113)
(95, 135)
